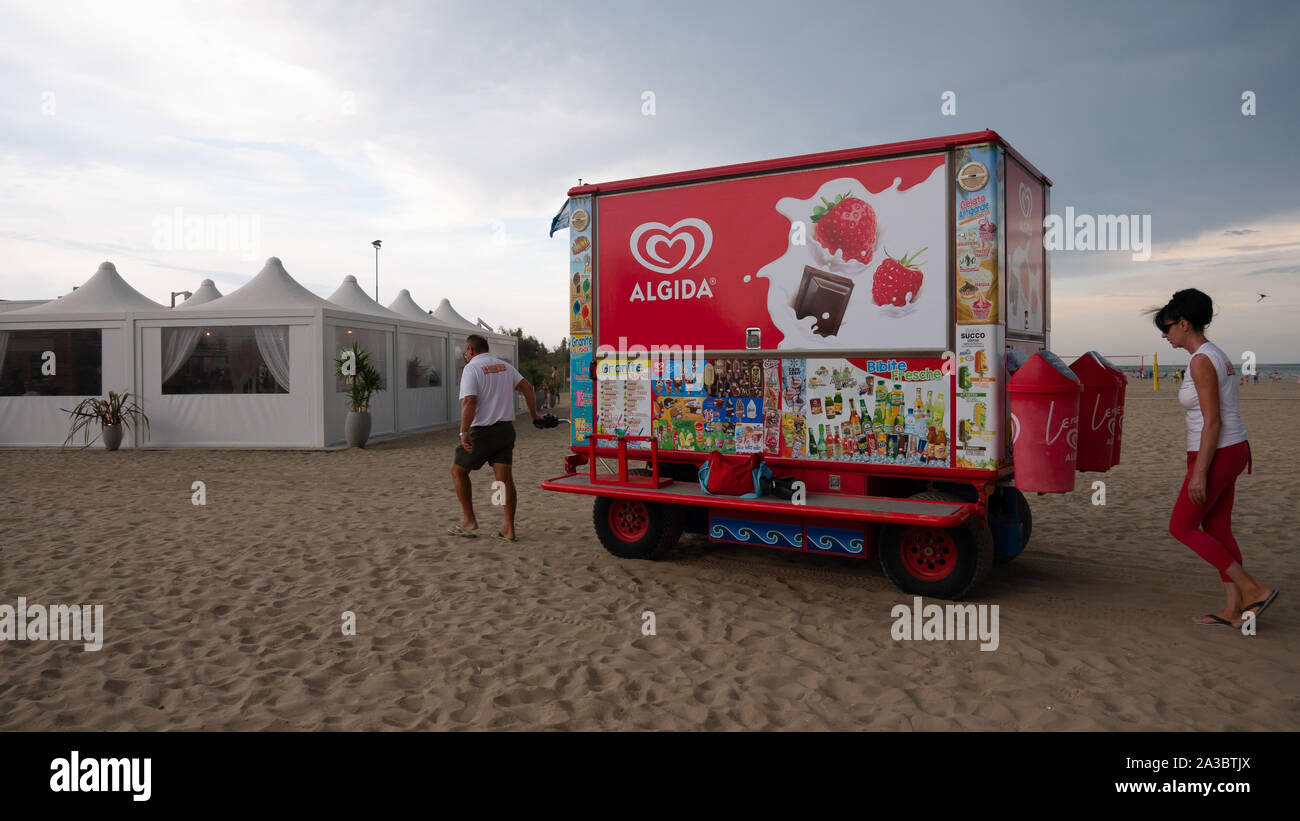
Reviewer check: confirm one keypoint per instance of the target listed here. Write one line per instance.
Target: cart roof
(808, 160)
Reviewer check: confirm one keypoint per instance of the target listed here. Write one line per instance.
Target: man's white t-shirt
(493, 381)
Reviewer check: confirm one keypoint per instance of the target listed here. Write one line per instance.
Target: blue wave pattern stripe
(767, 533)
(836, 541)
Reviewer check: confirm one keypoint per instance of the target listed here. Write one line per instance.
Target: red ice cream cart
(855, 317)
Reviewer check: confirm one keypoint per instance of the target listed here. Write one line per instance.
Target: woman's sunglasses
(1164, 329)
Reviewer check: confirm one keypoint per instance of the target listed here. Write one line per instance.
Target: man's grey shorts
(493, 444)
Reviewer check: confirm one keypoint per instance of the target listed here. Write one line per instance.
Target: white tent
(206, 293)
(253, 368)
(55, 354)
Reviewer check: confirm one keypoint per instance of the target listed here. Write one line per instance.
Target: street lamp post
(376, 243)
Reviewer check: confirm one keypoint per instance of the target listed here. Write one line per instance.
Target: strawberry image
(897, 280)
(847, 225)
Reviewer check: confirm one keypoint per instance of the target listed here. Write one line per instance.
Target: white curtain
(177, 347)
(273, 342)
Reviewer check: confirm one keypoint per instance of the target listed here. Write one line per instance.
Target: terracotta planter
(357, 428)
(112, 436)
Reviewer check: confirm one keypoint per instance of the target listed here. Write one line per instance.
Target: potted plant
(362, 380)
(109, 416)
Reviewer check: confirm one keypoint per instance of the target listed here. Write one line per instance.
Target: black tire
(1017, 498)
(961, 561)
(635, 529)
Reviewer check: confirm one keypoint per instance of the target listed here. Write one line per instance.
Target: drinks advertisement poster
(977, 235)
(885, 411)
(980, 396)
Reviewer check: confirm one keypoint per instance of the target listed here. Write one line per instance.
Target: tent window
(27, 367)
(424, 356)
(225, 359)
(374, 343)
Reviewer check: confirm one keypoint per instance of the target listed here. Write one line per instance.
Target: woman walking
(1217, 452)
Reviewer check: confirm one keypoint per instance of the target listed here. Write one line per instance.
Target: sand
(228, 616)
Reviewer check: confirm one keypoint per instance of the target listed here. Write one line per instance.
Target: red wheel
(929, 553)
(634, 529)
(947, 563)
(629, 519)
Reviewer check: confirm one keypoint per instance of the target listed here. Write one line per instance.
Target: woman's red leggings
(1207, 528)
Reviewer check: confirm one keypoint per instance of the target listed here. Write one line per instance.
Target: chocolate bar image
(823, 296)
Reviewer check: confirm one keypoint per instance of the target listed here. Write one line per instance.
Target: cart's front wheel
(944, 562)
(636, 529)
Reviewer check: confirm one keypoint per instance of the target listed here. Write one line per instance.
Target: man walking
(487, 430)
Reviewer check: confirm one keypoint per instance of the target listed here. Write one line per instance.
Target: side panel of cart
(847, 321)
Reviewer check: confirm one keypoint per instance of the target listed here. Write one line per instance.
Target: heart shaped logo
(1026, 200)
(651, 239)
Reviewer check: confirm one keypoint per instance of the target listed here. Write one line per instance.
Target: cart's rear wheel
(1013, 496)
(636, 529)
(944, 562)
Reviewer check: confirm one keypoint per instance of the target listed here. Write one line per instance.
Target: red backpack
(735, 474)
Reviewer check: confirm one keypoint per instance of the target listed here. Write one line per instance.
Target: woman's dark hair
(1190, 304)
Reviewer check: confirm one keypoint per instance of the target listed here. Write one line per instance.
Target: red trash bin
(1044, 398)
(1097, 408)
(1121, 379)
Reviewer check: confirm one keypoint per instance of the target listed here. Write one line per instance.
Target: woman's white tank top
(1233, 430)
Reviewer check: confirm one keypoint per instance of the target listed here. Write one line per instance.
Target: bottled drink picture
(910, 430)
(850, 441)
(929, 407)
(940, 407)
(824, 448)
(812, 444)
(917, 406)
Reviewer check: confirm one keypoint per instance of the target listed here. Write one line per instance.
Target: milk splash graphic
(906, 221)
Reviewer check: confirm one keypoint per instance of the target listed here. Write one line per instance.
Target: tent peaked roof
(407, 307)
(349, 295)
(271, 288)
(447, 315)
(206, 293)
(105, 292)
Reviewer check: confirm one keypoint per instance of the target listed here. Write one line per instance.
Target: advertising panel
(580, 390)
(1026, 267)
(849, 257)
(981, 397)
(978, 299)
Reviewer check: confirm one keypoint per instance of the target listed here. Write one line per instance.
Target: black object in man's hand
(547, 421)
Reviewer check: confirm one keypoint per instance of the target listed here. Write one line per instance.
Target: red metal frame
(652, 481)
(633, 491)
(807, 160)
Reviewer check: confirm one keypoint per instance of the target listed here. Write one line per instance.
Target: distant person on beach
(487, 430)
(1217, 452)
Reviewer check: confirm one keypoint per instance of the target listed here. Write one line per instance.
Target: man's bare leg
(504, 474)
(464, 493)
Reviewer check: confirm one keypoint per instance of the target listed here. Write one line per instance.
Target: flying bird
(1261, 297)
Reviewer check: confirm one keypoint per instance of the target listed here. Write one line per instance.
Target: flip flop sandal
(1262, 605)
(457, 530)
(503, 538)
(1217, 621)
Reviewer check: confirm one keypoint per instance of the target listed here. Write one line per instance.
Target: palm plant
(116, 409)
(364, 382)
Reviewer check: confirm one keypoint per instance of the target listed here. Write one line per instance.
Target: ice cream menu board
(623, 402)
(978, 300)
(849, 257)
(729, 405)
(1025, 253)
(980, 396)
(580, 268)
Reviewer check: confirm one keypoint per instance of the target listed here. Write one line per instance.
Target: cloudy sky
(451, 131)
